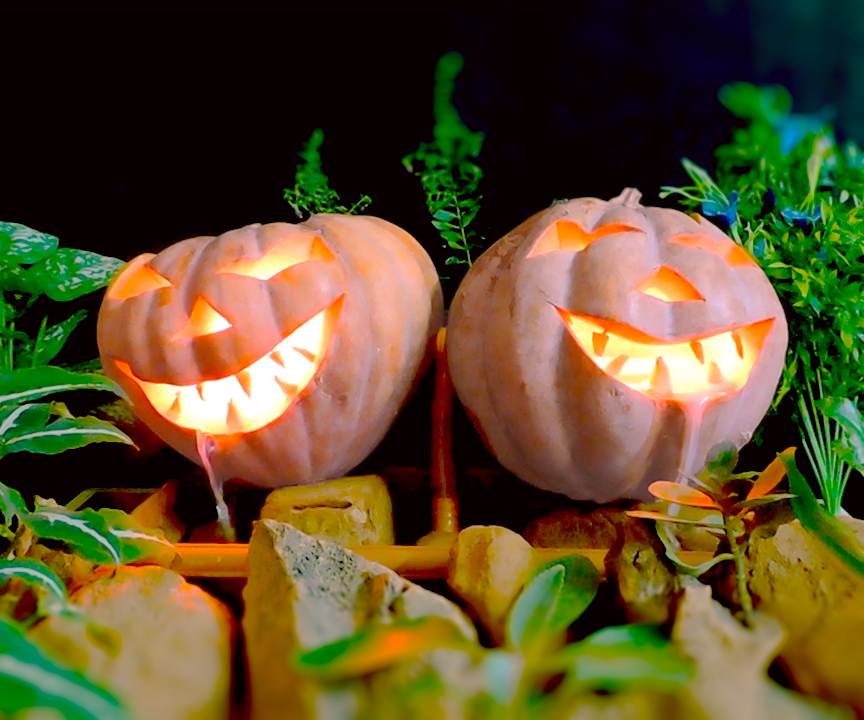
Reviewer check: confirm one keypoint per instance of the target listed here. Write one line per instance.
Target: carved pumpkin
(295, 346)
(601, 346)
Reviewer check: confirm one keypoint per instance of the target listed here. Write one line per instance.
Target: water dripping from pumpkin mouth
(207, 447)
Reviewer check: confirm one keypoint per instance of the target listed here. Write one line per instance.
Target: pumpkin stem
(628, 198)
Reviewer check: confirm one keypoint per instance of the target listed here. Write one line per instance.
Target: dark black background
(129, 126)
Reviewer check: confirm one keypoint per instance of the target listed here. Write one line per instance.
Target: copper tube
(445, 506)
(230, 560)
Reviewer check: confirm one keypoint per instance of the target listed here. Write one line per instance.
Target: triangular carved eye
(136, 279)
(203, 320)
(668, 285)
(568, 236)
(280, 257)
(721, 247)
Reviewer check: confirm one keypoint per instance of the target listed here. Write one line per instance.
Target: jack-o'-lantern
(601, 346)
(293, 346)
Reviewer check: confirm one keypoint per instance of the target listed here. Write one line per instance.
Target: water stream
(207, 448)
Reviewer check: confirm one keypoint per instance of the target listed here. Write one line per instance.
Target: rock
(635, 704)
(731, 681)
(350, 511)
(571, 528)
(157, 513)
(636, 563)
(820, 601)
(161, 644)
(488, 567)
(305, 592)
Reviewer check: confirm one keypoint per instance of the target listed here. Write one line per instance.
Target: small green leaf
(557, 594)
(29, 678)
(68, 274)
(843, 410)
(502, 671)
(672, 546)
(378, 646)
(12, 504)
(628, 656)
(27, 245)
(836, 535)
(29, 384)
(54, 338)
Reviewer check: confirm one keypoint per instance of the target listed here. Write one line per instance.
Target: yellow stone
(350, 511)
(488, 567)
(161, 644)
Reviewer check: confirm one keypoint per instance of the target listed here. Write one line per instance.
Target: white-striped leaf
(84, 531)
(53, 599)
(64, 434)
(27, 245)
(15, 421)
(28, 384)
(29, 678)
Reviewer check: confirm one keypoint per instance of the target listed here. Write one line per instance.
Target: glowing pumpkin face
(601, 346)
(295, 345)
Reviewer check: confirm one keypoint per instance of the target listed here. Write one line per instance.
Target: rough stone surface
(730, 681)
(488, 567)
(162, 645)
(636, 563)
(570, 527)
(304, 592)
(350, 511)
(820, 602)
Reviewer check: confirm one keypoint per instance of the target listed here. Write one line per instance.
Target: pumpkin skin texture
(601, 346)
(294, 346)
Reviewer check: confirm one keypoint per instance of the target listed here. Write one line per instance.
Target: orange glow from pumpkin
(704, 366)
(280, 257)
(136, 279)
(253, 397)
(203, 320)
(568, 236)
(668, 285)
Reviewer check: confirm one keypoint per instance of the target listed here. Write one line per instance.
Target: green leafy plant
(792, 197)
(446, 169)
(733, 496)
(311, 192)
(512, 680)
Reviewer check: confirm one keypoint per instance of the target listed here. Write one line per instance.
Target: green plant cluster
(33, 265)
(446, 169)
(792, 196)
(312, 192)
(513, 681)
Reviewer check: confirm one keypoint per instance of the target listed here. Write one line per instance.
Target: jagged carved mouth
(694, 369)
(251, 398)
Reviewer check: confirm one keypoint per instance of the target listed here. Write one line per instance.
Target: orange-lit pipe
(230, 560)
(445, 506)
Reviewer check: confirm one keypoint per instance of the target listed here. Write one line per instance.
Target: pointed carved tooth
(660, 381)
(739, 346)
(276, 356)
(600, 340)
(244, 377)
(287, 387)
(617, 364)
(305, 353)
(175, 406)
(200, 388)
(233, 419)
(696, 347)
(715, 377)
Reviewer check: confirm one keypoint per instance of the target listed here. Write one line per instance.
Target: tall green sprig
(449, 177)
(312, 192)
(792, 197)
